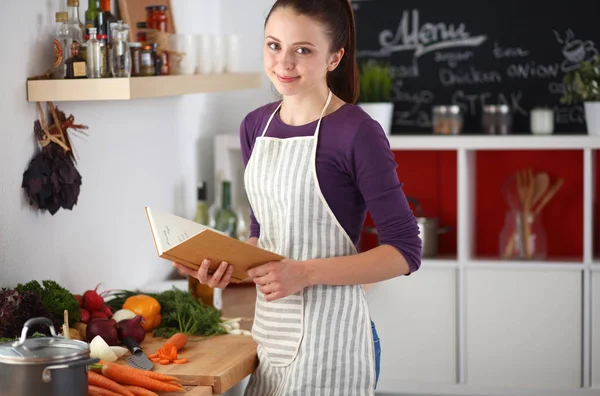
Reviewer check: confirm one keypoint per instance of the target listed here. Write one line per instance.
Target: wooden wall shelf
(137, 87)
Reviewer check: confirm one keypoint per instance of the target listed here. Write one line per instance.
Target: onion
(105, 328)
(101, 350)
(132, 328)
(119, 351)
(123, 314)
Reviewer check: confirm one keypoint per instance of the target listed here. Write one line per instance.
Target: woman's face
(297, 53)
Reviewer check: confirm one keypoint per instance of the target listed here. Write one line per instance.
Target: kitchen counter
(216, 364)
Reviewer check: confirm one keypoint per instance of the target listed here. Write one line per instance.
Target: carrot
(180, 361)
(153, 355)
(164, 361)
(128, 377)
(137, 391)
(178, 340)
(103, 382)
(97, 390)
(155, 360)
(150, 374)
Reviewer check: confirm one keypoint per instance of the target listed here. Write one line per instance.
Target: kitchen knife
(138, 358)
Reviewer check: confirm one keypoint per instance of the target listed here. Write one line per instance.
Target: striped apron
(318, 341)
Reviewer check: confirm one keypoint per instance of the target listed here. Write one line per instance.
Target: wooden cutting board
(220, 361)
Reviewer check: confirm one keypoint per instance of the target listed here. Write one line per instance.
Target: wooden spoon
(542, 182)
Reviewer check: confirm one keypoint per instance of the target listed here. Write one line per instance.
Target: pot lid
(42, 349)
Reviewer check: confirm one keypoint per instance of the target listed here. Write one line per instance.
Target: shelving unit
(475, 324)
(138, 87)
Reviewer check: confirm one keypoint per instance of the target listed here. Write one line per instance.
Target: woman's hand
(220, 278)
(278, 279)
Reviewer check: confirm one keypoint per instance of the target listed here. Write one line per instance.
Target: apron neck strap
(318, 123)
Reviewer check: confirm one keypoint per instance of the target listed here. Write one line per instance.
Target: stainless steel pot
(429, 230)
(46, 366)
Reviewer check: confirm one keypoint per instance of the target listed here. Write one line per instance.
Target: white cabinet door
(596, 329)
(523, 328)
(415, 317)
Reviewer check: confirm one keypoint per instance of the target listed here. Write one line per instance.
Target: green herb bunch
(375, 82)
(583, 84)
(55, 299)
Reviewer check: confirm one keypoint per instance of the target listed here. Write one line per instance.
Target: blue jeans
(377, 352)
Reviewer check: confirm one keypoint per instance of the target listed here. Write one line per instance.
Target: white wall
(142, 152)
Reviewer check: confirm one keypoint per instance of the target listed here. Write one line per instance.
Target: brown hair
(338, 18)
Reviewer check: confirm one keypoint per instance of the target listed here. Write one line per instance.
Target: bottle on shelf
(75, 65)
(62, 44)
(208, 295)
(76, 28)
(120, 55)
(225, 217)
(94, 17)
(94, 55)
(107, 18)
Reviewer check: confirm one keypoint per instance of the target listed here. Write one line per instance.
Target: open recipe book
(189, 243)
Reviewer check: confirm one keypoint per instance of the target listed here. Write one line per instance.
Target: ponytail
(344, 80)
(338, 17)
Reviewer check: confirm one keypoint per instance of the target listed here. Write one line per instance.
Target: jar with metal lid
(447, 120)
(135, 49)
(147, 61)
(504, 119)
(157, 18)
(496, 120)
(45, 366)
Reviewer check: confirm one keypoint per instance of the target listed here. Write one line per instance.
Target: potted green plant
(583, 85)
(375, 96)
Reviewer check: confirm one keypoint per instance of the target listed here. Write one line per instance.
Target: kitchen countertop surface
(215, 364)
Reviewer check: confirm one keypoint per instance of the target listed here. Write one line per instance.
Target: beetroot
(92, 300)
(79, 300)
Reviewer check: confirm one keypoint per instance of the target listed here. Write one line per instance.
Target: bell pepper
(147, 307)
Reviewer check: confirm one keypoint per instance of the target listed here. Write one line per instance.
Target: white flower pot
(592, 117)
(380, 112)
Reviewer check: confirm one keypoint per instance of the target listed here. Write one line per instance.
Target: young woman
(315, 163)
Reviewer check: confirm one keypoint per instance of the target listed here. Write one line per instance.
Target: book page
(170, 230)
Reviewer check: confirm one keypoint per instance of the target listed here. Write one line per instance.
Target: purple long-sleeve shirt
(356, 172)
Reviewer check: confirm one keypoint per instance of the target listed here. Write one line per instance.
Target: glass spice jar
(157, 18)
(447, 120)
(135, 49)
(147, 61)
(105, 70)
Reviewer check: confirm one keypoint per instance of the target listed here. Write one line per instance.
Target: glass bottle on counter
(208, 295)
(62, 44)
(75, 65)
(76, 28)
(94, 56)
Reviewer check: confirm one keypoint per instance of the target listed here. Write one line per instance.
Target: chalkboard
(474, 52)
